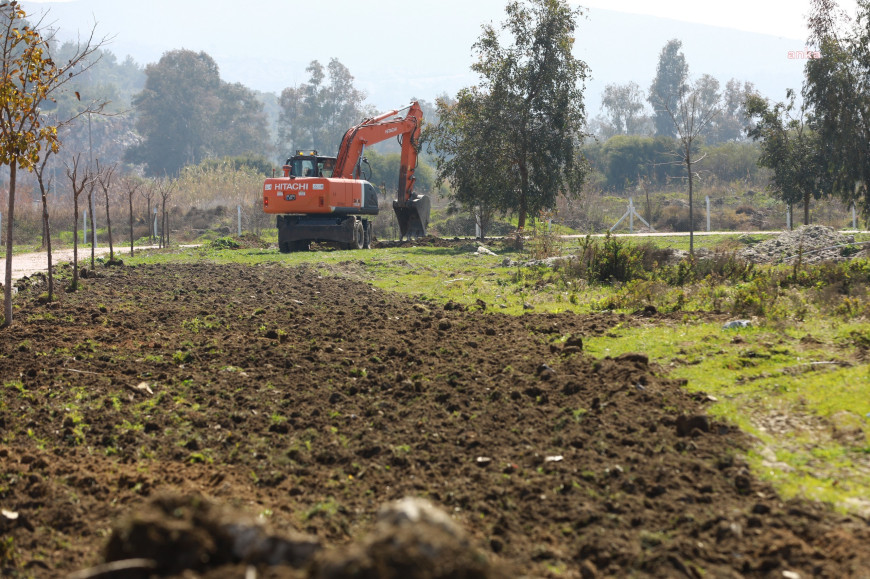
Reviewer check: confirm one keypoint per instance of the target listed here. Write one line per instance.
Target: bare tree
(692, 112)
(131, 185)
(149, 190)
(79, 179)
(165, 188)
(29, 79)
(104, 178)
(44, 187)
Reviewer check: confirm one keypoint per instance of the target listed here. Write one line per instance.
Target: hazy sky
(397, 49)
(779, 18)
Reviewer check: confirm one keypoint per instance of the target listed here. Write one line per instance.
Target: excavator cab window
(326, 167)
(311, 166)
(301, 167)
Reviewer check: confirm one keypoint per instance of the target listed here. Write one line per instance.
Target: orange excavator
(323, 198)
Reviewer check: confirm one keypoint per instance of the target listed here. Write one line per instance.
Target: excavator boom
(412, 210)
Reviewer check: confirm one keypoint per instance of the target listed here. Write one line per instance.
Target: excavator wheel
(358, 236)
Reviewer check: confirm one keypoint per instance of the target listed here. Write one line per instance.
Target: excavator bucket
(413, 216)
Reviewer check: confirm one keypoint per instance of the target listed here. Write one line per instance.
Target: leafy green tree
(186, 113)
(625, 159)
(180, 92)
(471, 156)
(669, 82)
(29, 78)
(734, 160)
(239, 125)
(625, 109)
(533, 99)
(317, 114)
(790, 148)
(735, 122)
(837, 86)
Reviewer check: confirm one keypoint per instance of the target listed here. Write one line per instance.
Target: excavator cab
(309, 164)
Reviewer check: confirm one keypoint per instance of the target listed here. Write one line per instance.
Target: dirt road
(29, 263)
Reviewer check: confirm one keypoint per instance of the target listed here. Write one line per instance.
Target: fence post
(155, 223)
(854, 221)
(85, 227)
(239, 208)
(788, 217)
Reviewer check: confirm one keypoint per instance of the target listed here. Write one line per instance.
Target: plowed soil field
(313, 400)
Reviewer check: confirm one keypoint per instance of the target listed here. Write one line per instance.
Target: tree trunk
(648, 204)
(109, 227)
(93, 226)
(691, 206)
(47, 229)
(164, 232)
(75, 281)
(7, 284)
(130, 198)
(150, 223)
(524, 207)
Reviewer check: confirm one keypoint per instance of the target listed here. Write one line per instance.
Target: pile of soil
(312, 401)
(244, 241)
(810, 243)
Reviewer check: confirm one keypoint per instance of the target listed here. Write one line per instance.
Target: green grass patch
(802, 390)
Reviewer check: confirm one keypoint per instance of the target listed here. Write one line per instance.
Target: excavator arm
(412, 210)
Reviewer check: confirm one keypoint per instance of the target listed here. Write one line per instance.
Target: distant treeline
(624, 162)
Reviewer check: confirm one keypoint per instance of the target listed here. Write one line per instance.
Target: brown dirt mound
(810, 243)
(244, 241)
(313, 401)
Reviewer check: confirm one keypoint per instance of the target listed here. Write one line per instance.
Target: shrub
(613, 260)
